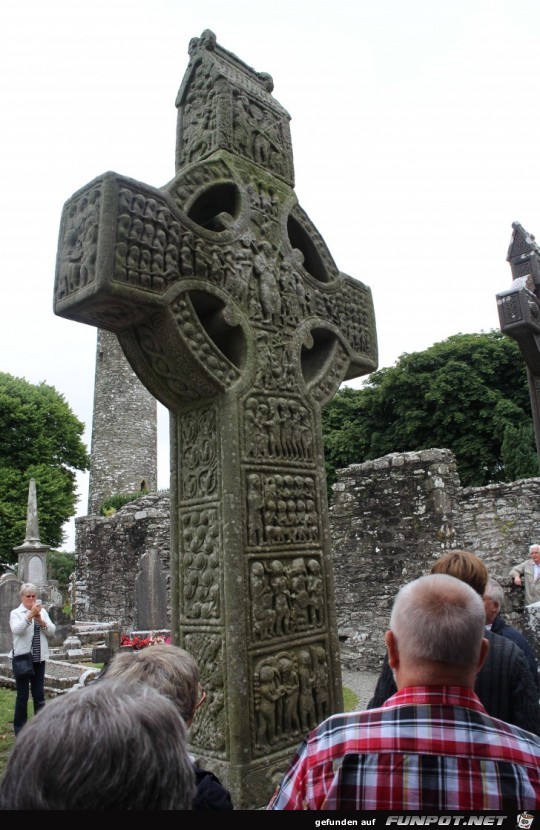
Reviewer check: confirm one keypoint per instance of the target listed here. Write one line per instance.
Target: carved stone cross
(232, 312)
(519, 312)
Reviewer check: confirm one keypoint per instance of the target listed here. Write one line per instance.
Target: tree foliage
(40, 438)
(468, 393)
(60, 566)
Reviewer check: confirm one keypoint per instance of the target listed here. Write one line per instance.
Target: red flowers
(137, 642)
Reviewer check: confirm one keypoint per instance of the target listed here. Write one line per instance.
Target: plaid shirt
(427, 748)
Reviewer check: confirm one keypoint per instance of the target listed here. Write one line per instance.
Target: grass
(350, 700)
(7, 708)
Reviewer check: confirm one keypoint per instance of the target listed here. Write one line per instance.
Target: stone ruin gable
(392, 517)
(109, 552)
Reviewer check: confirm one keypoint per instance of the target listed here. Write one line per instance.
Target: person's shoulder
(502, 648)
(211, 794)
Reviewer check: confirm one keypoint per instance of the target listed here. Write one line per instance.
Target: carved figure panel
(287, 596)
(290, 695)
(277, 428)
(201, 572)
(199, 471)
(281, 509)
(209, 727)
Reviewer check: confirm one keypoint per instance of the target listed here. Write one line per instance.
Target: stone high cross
(232, 312)
(519, 312)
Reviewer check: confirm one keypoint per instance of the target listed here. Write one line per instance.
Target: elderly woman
(30, 626)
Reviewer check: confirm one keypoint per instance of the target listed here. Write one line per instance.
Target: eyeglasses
(30, 596)
(202, 697)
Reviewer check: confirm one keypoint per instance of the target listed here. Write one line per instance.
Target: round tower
(124, 428)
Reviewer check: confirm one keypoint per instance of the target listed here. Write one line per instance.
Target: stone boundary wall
(109, 558)
(390, 519)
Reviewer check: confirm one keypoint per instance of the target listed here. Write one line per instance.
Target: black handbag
(23, 665)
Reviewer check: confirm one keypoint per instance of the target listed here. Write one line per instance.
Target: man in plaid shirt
(432, 745)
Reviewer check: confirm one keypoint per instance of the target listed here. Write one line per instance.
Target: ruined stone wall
(390, 519)
(109, 556)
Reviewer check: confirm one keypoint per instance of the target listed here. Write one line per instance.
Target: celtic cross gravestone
(519, 312)
(232, 312)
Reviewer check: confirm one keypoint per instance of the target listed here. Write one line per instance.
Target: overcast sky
(415, 128)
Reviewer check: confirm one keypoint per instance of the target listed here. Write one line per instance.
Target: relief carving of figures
(207, 729)
(267, 693)
(306, 704)
(255, 503)
(79, 251)
(315, 587)
(277, 428)
(270, 298)
(291, 691)
(199, 472)
(321, 689)
(281, 598)
(285, 596)
(299, 594)
(264, 615)
(200, 544)
(281, 509)
(147, 242)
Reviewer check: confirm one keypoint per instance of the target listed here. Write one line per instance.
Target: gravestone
(10, 588)
(150, 593)
(233, 313)
(519, 312)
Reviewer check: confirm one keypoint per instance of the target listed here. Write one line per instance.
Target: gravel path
(362, 683)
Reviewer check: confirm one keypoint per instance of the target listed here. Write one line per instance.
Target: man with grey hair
(432, 745)
(495, 622)
(527, 575)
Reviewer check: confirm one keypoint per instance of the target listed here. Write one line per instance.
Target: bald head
(436, 632)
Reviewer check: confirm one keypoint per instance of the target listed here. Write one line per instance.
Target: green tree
(40, 438)
(60, 566)
(461, 394)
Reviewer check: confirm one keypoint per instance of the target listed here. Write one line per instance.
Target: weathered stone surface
(392, 517)
(124, 428)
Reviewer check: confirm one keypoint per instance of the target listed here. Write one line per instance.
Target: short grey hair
(536, 546)
(118, 745)
(494, 592)
(168, 668)
(28, 586)
(438, 618)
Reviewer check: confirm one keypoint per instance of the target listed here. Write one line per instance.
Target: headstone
(233, 313)
(10, 598)
(519, 312)
(150, 593)
(531, 626)
(72, 648)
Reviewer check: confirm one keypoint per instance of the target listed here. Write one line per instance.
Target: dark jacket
(211, 794)
(504, 685)
(500, 626)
